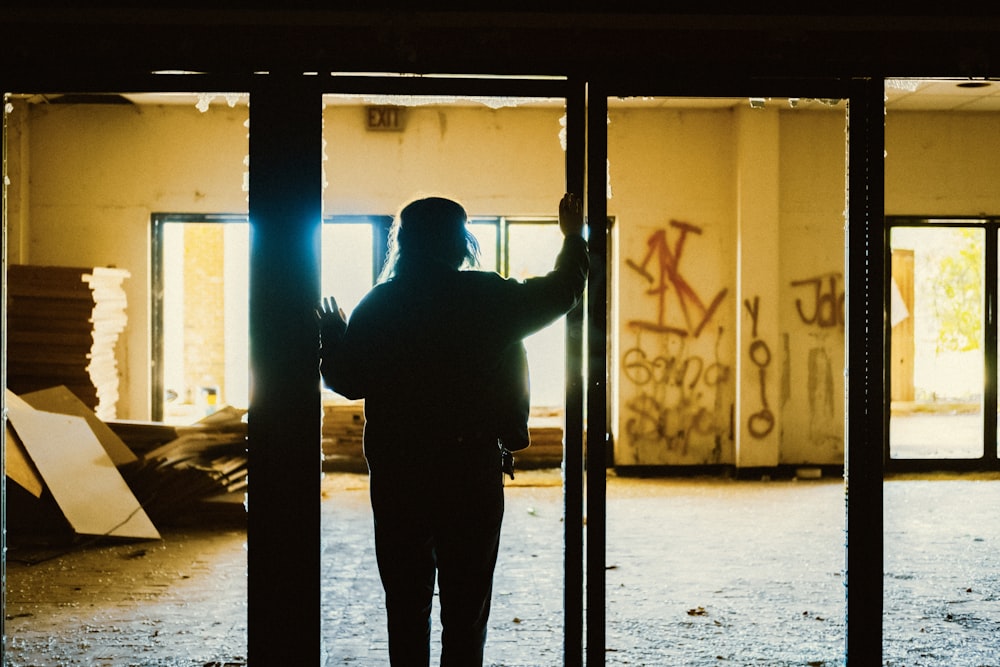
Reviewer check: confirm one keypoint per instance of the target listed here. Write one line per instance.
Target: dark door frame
(283, 420)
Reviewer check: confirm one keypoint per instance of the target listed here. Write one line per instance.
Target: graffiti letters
(675, 397)
(670, 404)
(826, 301)
(661, 269)
(760, 423)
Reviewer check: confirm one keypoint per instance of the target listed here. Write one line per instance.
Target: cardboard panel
(83, 480)
(18, 466)
(63, 401)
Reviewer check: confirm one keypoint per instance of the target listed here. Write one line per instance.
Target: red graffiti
(665, 261)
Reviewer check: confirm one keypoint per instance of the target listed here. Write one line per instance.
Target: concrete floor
(700, 572)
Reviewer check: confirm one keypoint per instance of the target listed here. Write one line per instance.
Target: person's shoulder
(480, 277)
(375, 298)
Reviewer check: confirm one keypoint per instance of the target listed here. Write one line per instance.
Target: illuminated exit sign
(384, 118)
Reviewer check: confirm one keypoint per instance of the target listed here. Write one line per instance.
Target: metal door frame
(989, 460)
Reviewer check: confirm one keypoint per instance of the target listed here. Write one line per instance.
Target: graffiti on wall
(824, 304)
(661, 268)
(674, 394)
(760, 423)
(820, 306)
(673, 386)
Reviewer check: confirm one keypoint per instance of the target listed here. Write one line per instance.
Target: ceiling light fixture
(974, 84)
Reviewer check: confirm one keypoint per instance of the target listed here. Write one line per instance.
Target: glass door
(943, 343)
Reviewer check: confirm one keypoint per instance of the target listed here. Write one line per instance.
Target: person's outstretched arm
(537, 302)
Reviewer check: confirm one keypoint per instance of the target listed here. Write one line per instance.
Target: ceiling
(901, 95)
(943, 95)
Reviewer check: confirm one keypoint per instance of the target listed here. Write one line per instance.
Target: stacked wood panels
(63, 325)
(344, 426)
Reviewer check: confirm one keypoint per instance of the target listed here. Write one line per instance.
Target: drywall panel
(62, 401)
(18, 466)
(89, 490)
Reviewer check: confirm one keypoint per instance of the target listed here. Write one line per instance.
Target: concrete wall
(506, 161)
(728, 245)
(808, 352)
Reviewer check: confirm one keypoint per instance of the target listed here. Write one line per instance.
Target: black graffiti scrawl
(760, 423)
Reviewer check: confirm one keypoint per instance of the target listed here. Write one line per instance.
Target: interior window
(201, 316)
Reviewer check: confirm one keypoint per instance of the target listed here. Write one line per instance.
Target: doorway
(943, 343)
(728, 342)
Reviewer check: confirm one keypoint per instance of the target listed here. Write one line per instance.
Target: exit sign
(384, 118)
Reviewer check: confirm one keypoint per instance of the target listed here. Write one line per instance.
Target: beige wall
(757, 195)
(97, 173)
(505, 161)
(714, 363)
(809, 352)
(942, 163)
(672, 175)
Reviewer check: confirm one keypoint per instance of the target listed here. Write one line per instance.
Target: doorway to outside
(942, 366)
(200, 309)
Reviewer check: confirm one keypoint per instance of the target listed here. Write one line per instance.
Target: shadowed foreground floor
(699, 572)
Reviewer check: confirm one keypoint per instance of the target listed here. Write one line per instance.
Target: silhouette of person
(435, 351)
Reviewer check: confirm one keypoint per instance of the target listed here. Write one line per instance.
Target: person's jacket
(426, 350)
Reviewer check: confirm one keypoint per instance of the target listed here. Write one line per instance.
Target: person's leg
(404, 549)
(468, 539)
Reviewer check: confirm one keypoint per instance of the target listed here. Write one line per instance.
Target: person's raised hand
(331, 318)
(570, 215)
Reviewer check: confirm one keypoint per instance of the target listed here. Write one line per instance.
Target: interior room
(716, 349)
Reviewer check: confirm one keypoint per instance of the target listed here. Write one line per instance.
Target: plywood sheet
(62, 401)
(18, 466)
(84, 482)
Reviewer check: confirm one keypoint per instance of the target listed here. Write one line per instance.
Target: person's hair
(430, 230)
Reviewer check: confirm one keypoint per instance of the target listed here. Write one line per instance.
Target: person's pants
(438, 518)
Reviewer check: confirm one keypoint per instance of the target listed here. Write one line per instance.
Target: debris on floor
(73, 471)
(202, 462)
(77, 471)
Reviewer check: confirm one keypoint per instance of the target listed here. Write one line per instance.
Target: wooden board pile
(63, 325)
(344, 426)
(343, 433)
(180, 466)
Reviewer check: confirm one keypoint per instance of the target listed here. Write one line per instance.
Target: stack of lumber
(344, 427)
(179, 466)
(63, 325)
(343, 434)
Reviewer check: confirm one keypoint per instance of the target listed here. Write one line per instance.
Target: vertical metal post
(597, 402)
(576, 138)
(3, 379)
(990, 346)
(866, 387)
(284, 417)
